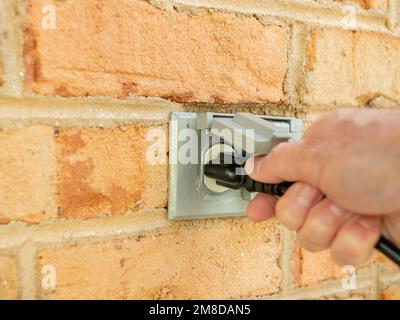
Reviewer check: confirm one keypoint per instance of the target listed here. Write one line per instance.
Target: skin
(347, 173)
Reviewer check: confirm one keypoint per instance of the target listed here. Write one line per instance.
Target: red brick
(105, 171)
(208, 259)
(349, 68)
(27, 174)
(8, 278)
(313, 268)
(116, 48)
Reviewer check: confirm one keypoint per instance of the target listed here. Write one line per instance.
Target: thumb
(288, 161)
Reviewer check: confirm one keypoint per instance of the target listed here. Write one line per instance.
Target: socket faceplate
(189, 197)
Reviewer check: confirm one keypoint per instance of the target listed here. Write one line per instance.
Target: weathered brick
(27, 174)
(391, 293)
(105, 171)
(313, 268)
(207, 259)
(8, 278)
(130, 47)
(349, 68)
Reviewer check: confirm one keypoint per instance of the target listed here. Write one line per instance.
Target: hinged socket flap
(245, 130)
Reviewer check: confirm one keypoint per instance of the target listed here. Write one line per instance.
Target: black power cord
(229, 173)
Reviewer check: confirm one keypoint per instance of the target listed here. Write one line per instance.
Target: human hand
(347, 173)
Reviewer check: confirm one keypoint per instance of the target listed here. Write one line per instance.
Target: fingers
(293, 207)
(321, 225)
(356, 240)
(288, 161)
(261, 208)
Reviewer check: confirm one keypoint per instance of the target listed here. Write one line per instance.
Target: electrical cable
(230, 174)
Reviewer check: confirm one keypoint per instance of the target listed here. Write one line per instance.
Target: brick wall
(78, 205)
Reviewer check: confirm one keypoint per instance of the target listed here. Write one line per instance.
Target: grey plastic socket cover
(189, 197)
(262, 135)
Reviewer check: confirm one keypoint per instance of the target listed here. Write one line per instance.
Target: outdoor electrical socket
(197, 138)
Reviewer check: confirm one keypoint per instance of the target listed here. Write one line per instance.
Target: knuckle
(285, 218)
(276, 152)
(311, 243)
(285, 221)
(349, 254)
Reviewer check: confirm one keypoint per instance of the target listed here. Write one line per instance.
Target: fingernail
(306, 195)
(368, 222)
(249, 167)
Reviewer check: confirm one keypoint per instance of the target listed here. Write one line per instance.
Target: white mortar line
(326, 289)
(296, 60)
(27, 271)
(286, 260)
(375, 282)
(393, 15)
(11, 48)
(15, 234)
(83, 111)
(387, 276)
(320, 14)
